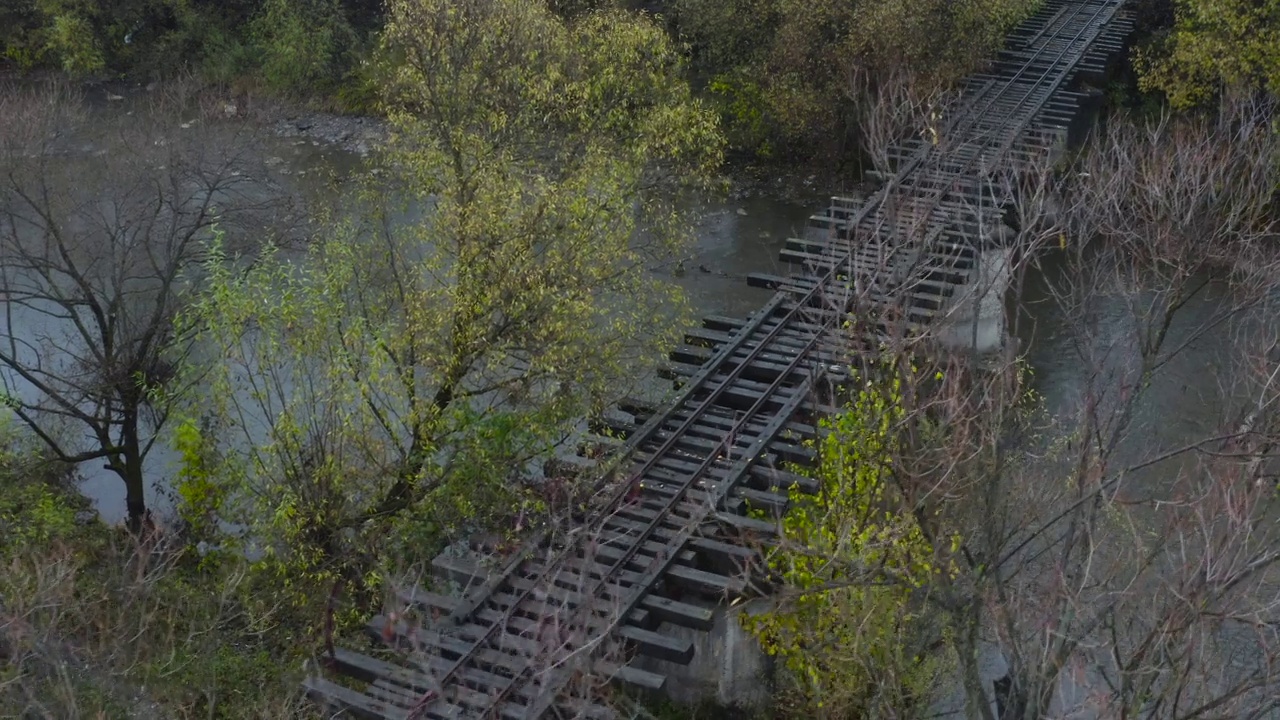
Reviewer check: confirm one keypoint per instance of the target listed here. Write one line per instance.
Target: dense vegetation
(288, 45)
(788, 78)
(348, 416)
(344, 406)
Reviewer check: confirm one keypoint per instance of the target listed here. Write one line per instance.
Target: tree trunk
(129, 468)
(965, 641)
(134, 502)
(403, 493)
(1011, 698)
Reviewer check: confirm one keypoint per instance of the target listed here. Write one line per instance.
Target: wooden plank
(697, 443)
(630, 675)
(627, 526)
(347, 700)
(770, 502)
(687, 393)
(723, 323)
(611, 552)
(388, 692)
(782, 343)
(767, 365)
(782, 349)
(685, 465)
(369, 669)
(412, 679)
(679, 613)
(665, 482)
(464, 570)
(532, 611)
(436, 710)
(657, 645)
(793, 428)
(698, 543)
(460, 641)
(461, 613)
(742, 395)
(460, 701)
(730, 556)
(773, 477)
(748, 524)
(434, 605)
(707, 582)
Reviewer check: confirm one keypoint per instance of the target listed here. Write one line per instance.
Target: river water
(733, 238)
(738, 235)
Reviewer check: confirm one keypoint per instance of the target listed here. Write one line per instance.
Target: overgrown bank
(789, 79)
(342, 409)
(96, 623)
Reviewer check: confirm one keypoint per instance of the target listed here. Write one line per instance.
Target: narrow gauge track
(492, 658)
(942, 189)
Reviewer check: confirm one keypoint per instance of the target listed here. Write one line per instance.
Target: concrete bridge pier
(729, 669)
(975, 316)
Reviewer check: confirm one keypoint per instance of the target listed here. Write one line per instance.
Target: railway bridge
(658, 553)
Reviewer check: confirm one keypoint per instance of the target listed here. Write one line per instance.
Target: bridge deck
(661, 548)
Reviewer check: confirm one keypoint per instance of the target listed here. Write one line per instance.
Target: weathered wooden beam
(657, 645)
(679, 613)
(727, 557)
(466, 570)
(707, 583)
(347, 700)
(643, 679)
(747, 524)
(459, 641)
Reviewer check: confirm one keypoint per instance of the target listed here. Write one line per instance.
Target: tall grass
(97, 624)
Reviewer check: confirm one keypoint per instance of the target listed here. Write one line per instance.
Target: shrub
(71, 39)
(303, 44)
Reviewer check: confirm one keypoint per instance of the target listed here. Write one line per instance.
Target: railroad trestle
(664, 547)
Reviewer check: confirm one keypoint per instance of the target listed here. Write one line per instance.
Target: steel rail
(731, 479)
(970, 113)
(571, 548)
(1020, 120)
(966, 118)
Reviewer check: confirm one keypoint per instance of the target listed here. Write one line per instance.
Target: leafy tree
(1214, 44)
(853, 648)
(294, 45)
(71, 38)
(398, 377)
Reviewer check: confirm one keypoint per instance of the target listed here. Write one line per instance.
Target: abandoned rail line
(665, 547)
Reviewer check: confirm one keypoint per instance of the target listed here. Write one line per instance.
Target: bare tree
(1126, 575)
(890, 108)
(100, 219)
